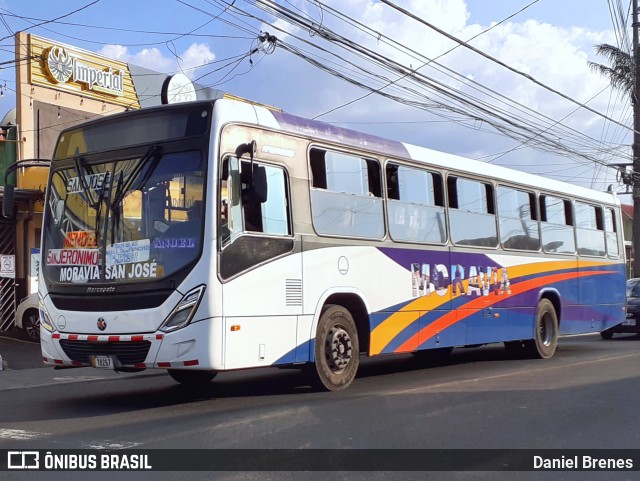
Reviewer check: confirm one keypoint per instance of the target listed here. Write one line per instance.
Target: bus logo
(102, 324)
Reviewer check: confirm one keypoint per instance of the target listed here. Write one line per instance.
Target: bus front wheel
(544, 344)
(191, 378)
(337, 351)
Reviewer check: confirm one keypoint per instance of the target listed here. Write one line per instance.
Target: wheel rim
(32, 327)
(338, 349)
(545, 329)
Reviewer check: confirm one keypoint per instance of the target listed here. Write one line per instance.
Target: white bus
(213, 236)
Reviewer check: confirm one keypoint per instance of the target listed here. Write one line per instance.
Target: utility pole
(636, 145)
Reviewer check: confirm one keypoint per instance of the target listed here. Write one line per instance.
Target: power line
(324, 32)
(57, 18)
(424, 64)
(499, 62)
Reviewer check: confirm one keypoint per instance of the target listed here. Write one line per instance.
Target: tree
(621, 70)
(622, 74)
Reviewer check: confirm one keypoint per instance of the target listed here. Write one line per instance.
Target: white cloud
(555, 55)
(116, 52)
(189, 61)
(196, 55)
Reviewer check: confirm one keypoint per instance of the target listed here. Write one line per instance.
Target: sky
(519, 94)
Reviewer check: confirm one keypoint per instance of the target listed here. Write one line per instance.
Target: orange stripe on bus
(480, 303)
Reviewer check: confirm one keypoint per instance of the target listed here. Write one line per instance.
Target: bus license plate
(102, 362)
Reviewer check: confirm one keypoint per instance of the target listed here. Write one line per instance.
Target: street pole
(636, 145)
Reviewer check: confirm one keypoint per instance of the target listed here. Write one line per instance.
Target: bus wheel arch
(339, 340)
(356, 306)
(553, 296)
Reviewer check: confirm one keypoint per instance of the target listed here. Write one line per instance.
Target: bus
(205, 237)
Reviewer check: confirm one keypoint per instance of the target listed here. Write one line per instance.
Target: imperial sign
(63, 67)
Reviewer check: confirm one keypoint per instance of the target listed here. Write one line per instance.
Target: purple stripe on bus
(405, 257)
(323, 130)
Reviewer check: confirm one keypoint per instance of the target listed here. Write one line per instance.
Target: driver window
(254, 199)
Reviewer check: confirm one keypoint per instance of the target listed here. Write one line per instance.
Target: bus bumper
(185, 348)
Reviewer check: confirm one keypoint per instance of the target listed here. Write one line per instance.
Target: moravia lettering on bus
(79, 274)
(140, 270)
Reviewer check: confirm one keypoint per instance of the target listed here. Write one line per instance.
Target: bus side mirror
(8, 201)
(259, 184)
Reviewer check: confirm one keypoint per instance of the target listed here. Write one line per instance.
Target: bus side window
(416, 205)
(262, 203)
(518, 219)
(230, 213)
(611, 231)
(346, 195)
(472, 217)
(556, 222)
(261, 229)
(590, 233)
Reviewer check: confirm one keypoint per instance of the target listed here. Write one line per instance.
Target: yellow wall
(43, 72)
(60, 104)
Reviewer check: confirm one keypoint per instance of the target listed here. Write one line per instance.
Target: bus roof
(229, 110)
(400, 150)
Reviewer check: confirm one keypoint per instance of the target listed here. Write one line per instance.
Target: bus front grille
(127, 353)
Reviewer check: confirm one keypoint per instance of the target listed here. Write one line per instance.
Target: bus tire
(606, 334)
(544, 344)
(191, 378)
(337, 350)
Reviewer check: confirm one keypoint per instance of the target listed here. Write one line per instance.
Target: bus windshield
(131, 220)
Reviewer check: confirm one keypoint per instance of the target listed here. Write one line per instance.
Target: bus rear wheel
(606, 334)
(191, 378)
(337, 350)
(544, 344)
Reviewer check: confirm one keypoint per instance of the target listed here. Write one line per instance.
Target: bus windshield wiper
(82, 170)
(123, 188)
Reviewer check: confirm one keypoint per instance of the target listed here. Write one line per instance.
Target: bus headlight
(184, 311)
(45, 321)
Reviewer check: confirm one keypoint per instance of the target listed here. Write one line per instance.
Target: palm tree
(621, 74)
(621, 71)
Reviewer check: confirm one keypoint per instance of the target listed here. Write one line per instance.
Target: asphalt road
(585, 397)
(19, 353)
